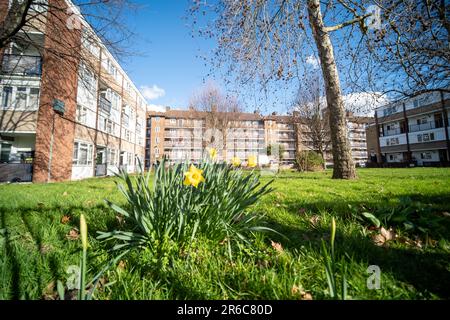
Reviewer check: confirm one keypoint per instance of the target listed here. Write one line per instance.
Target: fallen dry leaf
(65, 219)
(296, 290)
(379, 240)
(388, 234)
(384, 236)
(301, 211)
(306, 296)
(314, 220)
(277, 246)
(121, 265)
(120, 219)
(65, 194)
(73, 235)
(446, 214)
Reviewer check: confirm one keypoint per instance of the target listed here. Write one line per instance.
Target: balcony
(22, 65)
(393, 132)
(426, 126)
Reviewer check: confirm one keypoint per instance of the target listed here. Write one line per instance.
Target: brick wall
(53, 159)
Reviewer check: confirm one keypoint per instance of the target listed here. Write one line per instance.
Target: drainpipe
(49, 177)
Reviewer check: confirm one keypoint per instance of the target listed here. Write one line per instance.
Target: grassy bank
(38, 241)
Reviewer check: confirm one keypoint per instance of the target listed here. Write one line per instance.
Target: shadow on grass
(11, 258)
(433, 206)
(426, 270)
(25, 265)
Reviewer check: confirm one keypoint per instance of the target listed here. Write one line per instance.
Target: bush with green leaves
(170, 211)
(309, 161)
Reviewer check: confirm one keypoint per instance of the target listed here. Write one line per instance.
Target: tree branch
(358, 19)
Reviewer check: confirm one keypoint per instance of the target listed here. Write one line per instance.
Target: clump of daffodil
(235, 161)
(213, 153)
(193, 177)
(252, 161)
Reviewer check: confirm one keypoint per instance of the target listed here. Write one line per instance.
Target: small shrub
(215, 206)
(309, 161)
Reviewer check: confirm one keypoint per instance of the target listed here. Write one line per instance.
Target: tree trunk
(344, 167)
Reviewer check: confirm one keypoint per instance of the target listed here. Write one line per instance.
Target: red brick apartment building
(68, 110)
(412, 132)
(186, 134)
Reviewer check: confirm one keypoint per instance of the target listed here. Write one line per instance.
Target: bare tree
(270, 40)
(404, 50)
(309, 110)
(219, 109)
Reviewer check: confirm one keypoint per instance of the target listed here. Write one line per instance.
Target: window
(157, 119)
(111, 156)
(115, 100)
(33, 102)
(108, 126)
(81, 114)
(138, 128)
(425, 137)
(112, 70)
(156, 129)
(157, 140)
(82, 154)
(5, 152)
(173, 121)
(127, 86)
(130, 158)
(7, 97)
(392, 141)
(88, 79)
(21, 98)
(422, 121)
(156, 152)
(426, 156)
(89, 42)
(126, 120)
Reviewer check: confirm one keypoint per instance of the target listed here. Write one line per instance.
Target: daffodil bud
(83, 232)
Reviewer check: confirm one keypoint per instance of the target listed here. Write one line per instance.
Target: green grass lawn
(36, 251)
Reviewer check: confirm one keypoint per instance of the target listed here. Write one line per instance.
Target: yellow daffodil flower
(235, 161)
(213, 153)
(252, 161)
(193, 177)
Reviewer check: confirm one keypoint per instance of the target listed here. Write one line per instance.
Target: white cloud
(156, 108)
(313, 61)
(361, 103)
(364, 103)
(153, 92)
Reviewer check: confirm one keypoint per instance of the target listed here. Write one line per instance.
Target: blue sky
(168, 59)
(168, 70)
